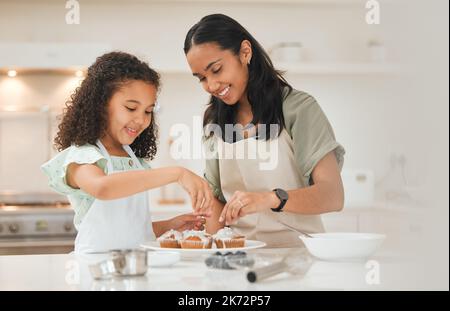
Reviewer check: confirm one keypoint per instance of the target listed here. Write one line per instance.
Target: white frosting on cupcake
(171, 234)
(201, 234)
(224, 234)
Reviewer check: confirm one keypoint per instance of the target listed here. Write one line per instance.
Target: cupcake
(170, 239)
(226, 238)
(196, 239)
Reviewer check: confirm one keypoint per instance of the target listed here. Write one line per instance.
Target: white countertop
(66, 272)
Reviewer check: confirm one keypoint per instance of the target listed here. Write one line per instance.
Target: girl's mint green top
(56, 168)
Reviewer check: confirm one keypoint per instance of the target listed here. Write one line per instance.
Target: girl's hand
(199, 191)
(187, 222)
(244, 203)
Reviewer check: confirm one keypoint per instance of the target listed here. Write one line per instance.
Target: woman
(248, 95)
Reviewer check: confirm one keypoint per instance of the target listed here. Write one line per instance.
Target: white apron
(115, 224)
(245, 174)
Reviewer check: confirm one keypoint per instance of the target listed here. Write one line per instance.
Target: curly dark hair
(84, 118)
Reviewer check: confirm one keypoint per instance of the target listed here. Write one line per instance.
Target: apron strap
(108, 158)
(105, 153)
(133, 156)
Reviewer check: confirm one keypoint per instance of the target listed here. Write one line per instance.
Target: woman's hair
(265, 84)
(85, 116)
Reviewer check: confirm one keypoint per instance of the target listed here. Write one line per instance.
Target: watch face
(282, 194)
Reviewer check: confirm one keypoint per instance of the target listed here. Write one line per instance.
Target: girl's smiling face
(129, 113)
(222, 73)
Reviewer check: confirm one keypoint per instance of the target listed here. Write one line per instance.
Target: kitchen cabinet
(308, 68)
(337, 222)
(24, 146)
(337, 68)
(49, 56)
(402, 225)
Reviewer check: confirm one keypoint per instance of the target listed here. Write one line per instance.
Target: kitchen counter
(385, 271)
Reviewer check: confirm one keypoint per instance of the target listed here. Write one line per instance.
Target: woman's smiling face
(130, 112)
(221, 73)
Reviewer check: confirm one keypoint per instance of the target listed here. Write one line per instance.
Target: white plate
(249, 244)
(342, 246)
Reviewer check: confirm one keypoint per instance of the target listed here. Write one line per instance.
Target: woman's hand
(186, 222)
(244, 203)
(199, 191)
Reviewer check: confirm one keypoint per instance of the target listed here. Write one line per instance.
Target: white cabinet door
(24, 147)
(340, 222)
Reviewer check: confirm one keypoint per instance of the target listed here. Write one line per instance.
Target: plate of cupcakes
(200, 242)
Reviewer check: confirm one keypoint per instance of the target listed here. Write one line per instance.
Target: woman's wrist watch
(283, 196)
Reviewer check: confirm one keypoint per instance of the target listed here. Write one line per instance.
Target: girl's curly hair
(85, 116)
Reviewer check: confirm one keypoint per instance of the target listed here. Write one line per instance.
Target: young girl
(107, 131)
(246, 90)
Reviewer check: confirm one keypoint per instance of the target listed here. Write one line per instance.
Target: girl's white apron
(115, 224)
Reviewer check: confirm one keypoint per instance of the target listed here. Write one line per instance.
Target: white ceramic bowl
(162, 259)
(343, 246)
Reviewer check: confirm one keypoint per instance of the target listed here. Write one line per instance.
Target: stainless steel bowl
(107, 268)
(135, 261)
(129, 262)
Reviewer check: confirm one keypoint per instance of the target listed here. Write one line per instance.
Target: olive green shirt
(311, 133)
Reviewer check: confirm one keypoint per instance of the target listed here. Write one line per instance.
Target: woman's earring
(248, 63)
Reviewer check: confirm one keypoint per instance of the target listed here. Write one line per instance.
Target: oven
(35, 223)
